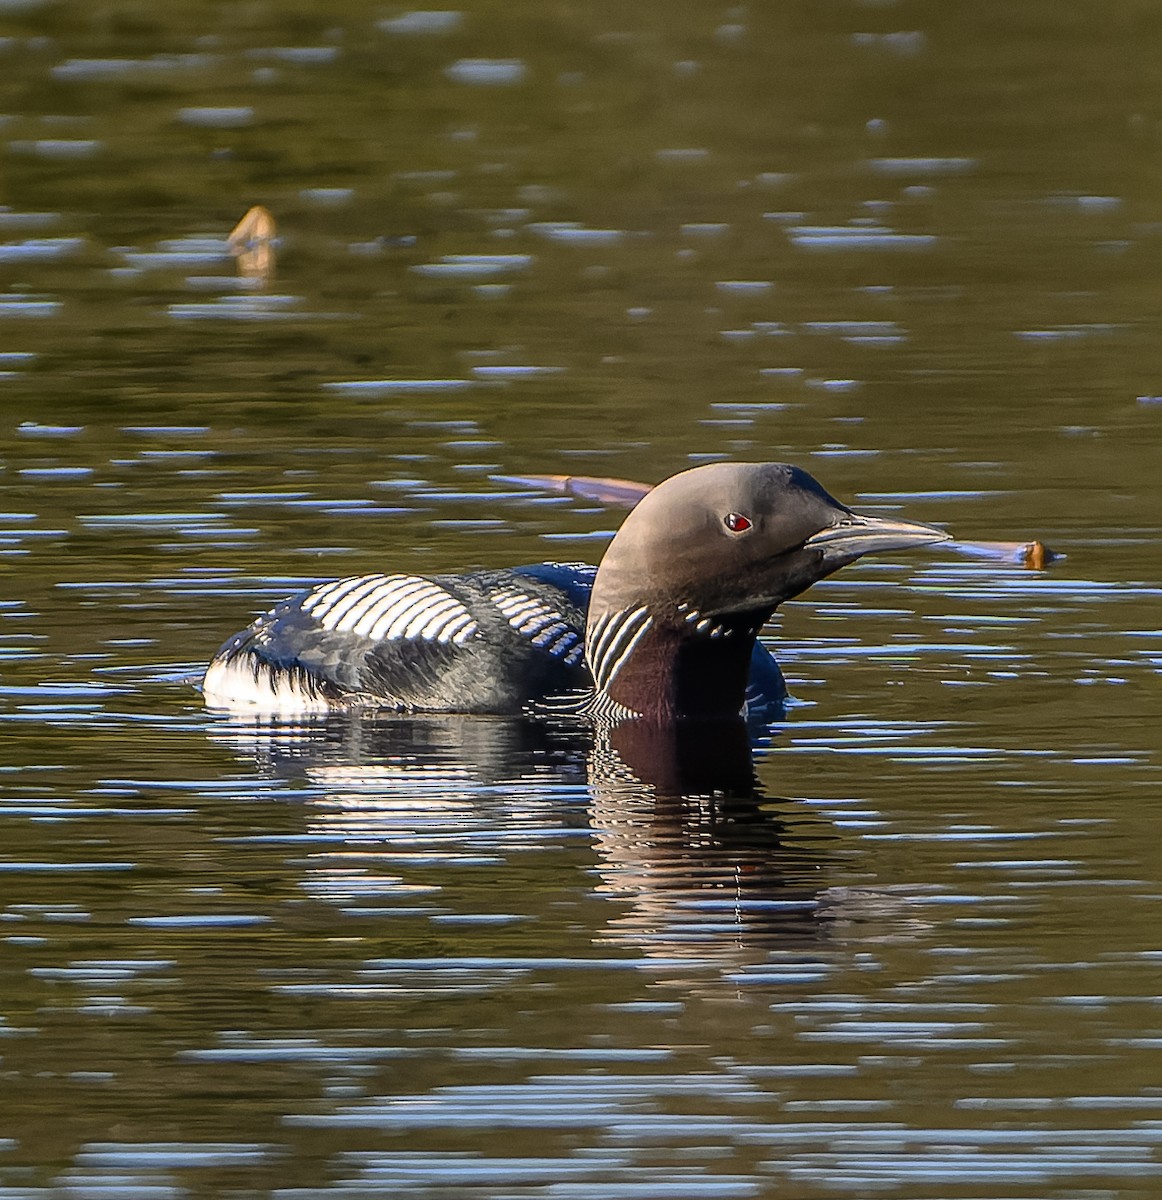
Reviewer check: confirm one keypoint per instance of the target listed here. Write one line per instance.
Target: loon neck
(673, 664)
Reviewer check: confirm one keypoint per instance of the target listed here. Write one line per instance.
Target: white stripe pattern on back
(386, 607)
(540, 623)
(612, 639)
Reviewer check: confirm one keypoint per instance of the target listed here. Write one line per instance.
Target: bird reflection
(469, 749)
(697, 861)
(687, 839)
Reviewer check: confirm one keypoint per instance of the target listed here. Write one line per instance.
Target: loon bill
(665, 628)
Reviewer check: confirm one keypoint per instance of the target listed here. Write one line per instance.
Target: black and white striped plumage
(488, 642)
(613, 636)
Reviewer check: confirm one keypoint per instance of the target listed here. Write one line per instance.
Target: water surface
(913, 951)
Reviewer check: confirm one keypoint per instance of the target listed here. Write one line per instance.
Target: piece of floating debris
(625, 493)
(251, 242)
(1034, 555)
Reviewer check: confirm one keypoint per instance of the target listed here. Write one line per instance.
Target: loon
(664, 629)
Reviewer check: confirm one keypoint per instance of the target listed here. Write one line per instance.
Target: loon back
(481, 642)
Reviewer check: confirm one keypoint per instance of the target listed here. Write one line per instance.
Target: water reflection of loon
(705, 863)
(697, 859)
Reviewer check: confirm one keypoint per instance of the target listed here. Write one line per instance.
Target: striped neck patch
(612, 639)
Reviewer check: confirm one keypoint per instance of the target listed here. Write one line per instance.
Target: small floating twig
(1034, 555)
(625, 493)
(252, 242)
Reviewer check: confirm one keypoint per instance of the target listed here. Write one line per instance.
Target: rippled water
(912, 949)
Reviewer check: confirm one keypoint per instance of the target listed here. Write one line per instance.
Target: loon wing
(335, 645)
(473, 643)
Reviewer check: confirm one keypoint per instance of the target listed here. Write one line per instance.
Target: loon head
(701, 563)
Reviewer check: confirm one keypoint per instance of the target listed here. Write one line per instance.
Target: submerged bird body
(665, 628)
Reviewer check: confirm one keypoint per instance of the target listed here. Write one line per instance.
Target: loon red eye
(736, 522)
